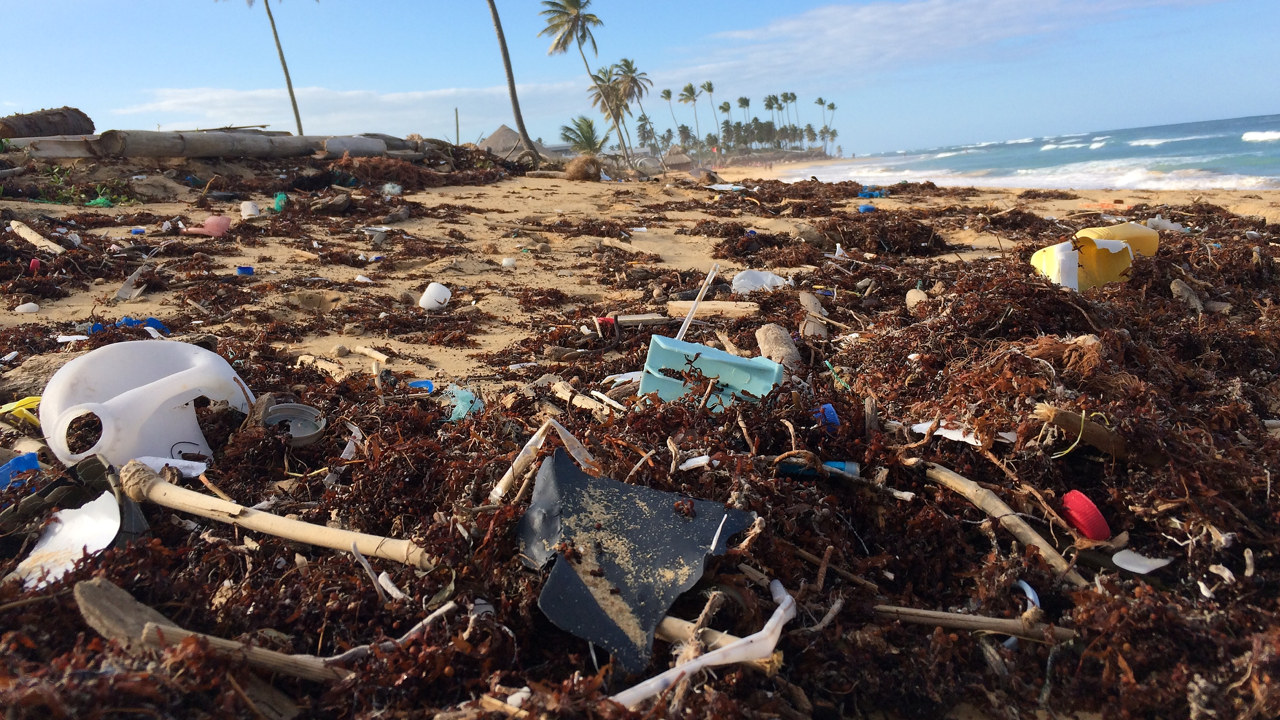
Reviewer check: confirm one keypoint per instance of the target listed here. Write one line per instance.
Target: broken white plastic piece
(73, 534)
(959, 433)
(1141, 564)
(753, 647)
(188, 468)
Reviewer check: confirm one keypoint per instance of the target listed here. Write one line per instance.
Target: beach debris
(304, 423)
(435, 297)
(725, 376)
(1096, 256)
(140, 394)
(749, 281)
(754, 647)
(622, 554)
(214, 226)
(1138, 563)
(72, 534)
(26, 233)
(1080, 511)
(776, 344)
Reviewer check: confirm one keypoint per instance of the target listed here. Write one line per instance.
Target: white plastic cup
(249, 209)
(435, 297)
(27, 308)
(508, 262)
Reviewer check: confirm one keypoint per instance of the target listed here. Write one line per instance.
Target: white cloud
(840, 40)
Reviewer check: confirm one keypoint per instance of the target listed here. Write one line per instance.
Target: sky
(903, 74)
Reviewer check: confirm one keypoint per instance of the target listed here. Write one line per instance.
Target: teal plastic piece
(735, 376)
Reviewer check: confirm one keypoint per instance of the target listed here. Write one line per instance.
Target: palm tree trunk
(511, 87)
(287, 81)
(674, 121)
(622, 142)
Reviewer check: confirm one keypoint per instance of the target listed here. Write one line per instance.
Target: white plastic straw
(688, 319)
(754, 647)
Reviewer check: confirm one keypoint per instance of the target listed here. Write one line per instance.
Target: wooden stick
(307, 667)
(141, 483)
(569, 394)
(1006, 626)
(369, 352)
(1099, 436)
(989, 503)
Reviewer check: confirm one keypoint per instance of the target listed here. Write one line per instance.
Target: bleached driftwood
(142, 483)
(1098, 436)
(992, 505)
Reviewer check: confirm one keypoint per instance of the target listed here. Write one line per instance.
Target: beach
(931, 316)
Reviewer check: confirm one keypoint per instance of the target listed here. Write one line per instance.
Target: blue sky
(904, 74)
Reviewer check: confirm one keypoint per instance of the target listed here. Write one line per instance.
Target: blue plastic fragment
(735, 377)
(20, 464)
(826, 414)
(423, 384)
(866, 208)
(796, 468)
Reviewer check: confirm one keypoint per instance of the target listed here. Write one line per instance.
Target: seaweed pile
(1191, 393)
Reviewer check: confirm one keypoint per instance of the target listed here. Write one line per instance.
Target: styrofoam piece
(960, 433)
(142, 393)
(752, 280)
(73, 534)
(735, 376)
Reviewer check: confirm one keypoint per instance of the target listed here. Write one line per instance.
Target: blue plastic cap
(423, 384)
(826, 414)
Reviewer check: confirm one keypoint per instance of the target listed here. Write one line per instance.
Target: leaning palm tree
(666, 95)
(822, 105)
(726, 108)
(689, 95)
(288, 82)
(744, 103)
(832, 108)
(511, 87)
(568, 22)
(581, 135)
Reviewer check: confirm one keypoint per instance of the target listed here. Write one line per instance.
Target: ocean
(1236, 154)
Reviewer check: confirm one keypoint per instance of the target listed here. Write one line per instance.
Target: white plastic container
(142, 392)
(249, 209)
(435, 297)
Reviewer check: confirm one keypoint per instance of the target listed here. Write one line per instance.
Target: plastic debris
(214, 226)
(1135, 562)
(1085, 516)
(623, 554)
(465, 402)
(751, 280)
(25, 462)
(754, 647)
(1096, 256)
(72, 535)
(435, 297)
(734, 376)
(141, 392)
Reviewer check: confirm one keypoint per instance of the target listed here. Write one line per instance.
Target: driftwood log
(60, 121)
(776, 344)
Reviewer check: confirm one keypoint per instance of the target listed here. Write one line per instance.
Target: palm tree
(288, 82)
(580, 133)
(568, 22)
(832, 135)
(744, 103)
(690, 95)
(810, 135)
(606, 94)
(771, 104)
(645, 134)
(822, 105)
(666, 95)
(832, 108)
(511, 87)
(710, 89)
(633, 83)
(726, 108)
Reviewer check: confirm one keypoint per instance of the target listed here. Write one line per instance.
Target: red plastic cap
(1081, 512)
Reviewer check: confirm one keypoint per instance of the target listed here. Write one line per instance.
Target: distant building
(504, 141)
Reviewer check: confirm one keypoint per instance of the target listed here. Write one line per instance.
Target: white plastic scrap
(524, 459)
(73, 534)
(960, 433)
(1141, 564)
(753, 647)
(698, 462)
(188, 468)
(389, 585)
